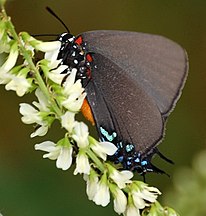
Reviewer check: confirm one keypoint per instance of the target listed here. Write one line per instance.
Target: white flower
(69, 82)
(61, 153)
(68, 121)
(120, 199)
(142, 194)
(82, 163)
(40, 114)
(102, 196)
(102, 149)
(73, 92)
(43, 104)
(20, 84)
(11, 60)
(56, 75)
(41, 130)
(30, 114)
(121, 178)
(81, 134)
(92, 184)
(48, 47)
(5, 77)
(131, 210)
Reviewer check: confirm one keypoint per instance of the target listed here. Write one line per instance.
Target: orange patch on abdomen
(87, 112)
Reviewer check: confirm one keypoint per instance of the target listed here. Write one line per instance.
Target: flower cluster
(57, 100)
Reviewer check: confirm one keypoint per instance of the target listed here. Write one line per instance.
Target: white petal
(102, 149)
(74, 102)
(56, 76)
(52, 155)
(138, 201)
(11, 60)
(69, 81)
(109, 148)
(149, 196)
(64, 160)
(68, 121)
(75, 88)
(131, 211)
(92, 187)
(121, 177)
(19, 84)
(47, 146)
(120, 202)
(5, 77)
(102, 197)
(81, 134)
(53, 64)
(30, 115)
(82, 164)
(48, 46)
(43, 102)
(41, 131)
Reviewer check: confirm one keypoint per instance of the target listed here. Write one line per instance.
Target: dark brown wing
(156, 64)
(120, 104)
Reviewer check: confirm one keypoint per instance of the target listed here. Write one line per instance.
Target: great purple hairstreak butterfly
(133, 81)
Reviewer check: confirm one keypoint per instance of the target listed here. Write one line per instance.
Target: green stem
(32, 66)
(96, 160)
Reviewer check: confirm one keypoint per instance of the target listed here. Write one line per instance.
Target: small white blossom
(68, 121)
(102, 149)
(20, 84)
(11, 60)
(120, 199)
(102, 197)
(30, 114)
(131, 210)
(61, 153)
(39, 115)
(56, 75)
(69, 82)
(43, 104)
(81, 134)
(142, 194)
(5, 77)
(92, 184)
(41, 130)
(48, 47)
(73, 92)
(121, 178)
(82, 163)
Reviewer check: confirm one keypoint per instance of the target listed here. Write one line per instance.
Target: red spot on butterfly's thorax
(89, 57)
(79, 40)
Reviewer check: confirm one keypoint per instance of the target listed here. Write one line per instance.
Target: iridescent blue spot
(137, 160)
(107, 135)
(143, 163)
(120, 158)
(129, 147)
(129, 163)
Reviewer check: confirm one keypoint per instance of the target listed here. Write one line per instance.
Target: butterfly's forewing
(120, 104)
(157, 65)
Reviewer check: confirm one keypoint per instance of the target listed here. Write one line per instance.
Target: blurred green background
(30, 185)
